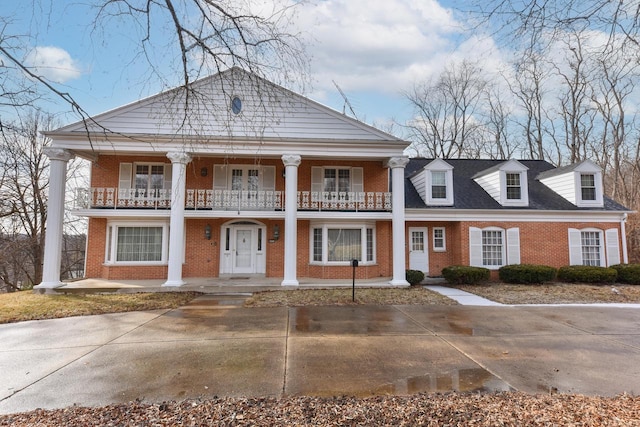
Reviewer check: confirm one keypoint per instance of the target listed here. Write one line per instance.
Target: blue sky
(373, 49)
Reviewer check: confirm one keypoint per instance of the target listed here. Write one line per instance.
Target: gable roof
(269, 111)
(470, 195)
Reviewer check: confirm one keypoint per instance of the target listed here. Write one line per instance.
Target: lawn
(26, 305)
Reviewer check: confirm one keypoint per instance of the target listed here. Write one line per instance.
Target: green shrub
(587, 274)
(628, 273)
(463, 274)
(527, 273)
(414, 277)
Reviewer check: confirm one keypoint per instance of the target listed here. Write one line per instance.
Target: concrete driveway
(214, 347)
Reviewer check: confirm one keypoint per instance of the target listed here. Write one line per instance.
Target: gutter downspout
(625, 255)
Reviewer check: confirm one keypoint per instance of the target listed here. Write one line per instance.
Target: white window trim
(112, 242)
(448, 201)
(325, 226)
(597, 177)
(524, 189)
(444, 239)
(510, 246)
(575, 245)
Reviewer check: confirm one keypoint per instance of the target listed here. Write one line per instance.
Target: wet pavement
(215, 347)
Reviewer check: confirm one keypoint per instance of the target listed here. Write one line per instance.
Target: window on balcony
(335, 184)
(339, 244)
(149, 179)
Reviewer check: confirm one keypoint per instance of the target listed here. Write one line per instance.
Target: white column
(58, 159)
(179, 162)
(291, 163)
(397, 165)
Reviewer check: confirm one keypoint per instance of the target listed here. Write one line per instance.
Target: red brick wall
(544, 243)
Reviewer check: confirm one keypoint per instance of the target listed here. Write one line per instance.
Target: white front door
(418, 250)
(243, 249)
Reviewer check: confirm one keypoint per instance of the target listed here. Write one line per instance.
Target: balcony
(113, 198)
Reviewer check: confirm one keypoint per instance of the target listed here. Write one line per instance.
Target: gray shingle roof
(469, 195)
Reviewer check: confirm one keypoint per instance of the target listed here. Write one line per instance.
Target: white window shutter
(316, 179)
(575, 247)
(124, 179)
(268, 178)
(475, 247)
(613, 247)
(168, 169)
(513, 245)
(219, 177)
(357, 180)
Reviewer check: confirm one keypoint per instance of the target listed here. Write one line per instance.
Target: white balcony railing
(113, 198)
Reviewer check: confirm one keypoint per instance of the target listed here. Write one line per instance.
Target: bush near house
(628, 273)
(414, 277)
(464, 274)
(587, 274)
(527, 273)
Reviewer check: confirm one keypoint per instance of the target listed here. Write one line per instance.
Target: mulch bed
(450, 409)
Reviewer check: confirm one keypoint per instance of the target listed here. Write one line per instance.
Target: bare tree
(24, 209)
(206, 36)
(445, 124)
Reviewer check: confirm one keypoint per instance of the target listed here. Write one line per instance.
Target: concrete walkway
(215, 347)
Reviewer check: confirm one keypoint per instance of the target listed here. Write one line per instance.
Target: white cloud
(52, 63)
(379, 45)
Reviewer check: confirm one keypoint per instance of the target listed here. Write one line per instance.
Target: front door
(243, 251)
(418, 251)
(243, 248)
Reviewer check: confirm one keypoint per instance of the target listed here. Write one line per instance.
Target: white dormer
(580, 184)
(435, 183)
(506, 183)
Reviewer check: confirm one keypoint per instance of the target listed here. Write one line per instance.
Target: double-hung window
(514, 190)
(439, 242)
(337, 180)
(439, 185)
(493, 247)
(588, 186)
(338, 244)
(591, 247)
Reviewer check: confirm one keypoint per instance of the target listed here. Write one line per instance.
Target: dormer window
(588, 186)
(506, 183)
(435, 183)
(514, 191)
(580, 184)
(438, 185)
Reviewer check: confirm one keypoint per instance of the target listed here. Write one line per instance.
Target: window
(492, 247)
(439, 244)
(435, 184)
(514, 191)
(588, 186)
(590, 242)
(131, 242)
(438, 184)
(149, 179)
(417, 241)
(236, 105)
(335, 244)
(337, 180)
(592, 246)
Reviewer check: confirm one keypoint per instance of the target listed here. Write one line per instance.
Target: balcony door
(243, 248)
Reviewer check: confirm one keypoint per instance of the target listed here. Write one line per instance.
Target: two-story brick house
(248, 178)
